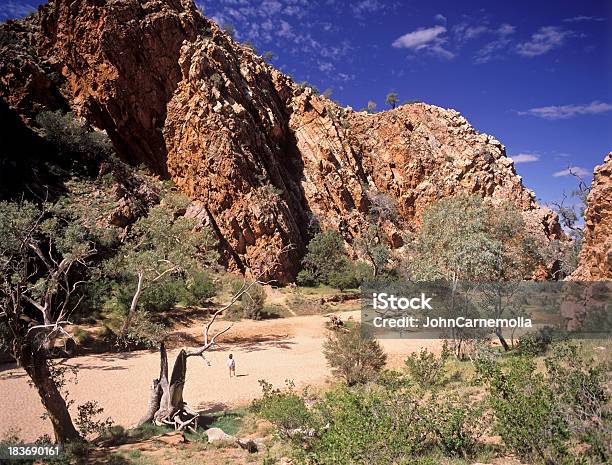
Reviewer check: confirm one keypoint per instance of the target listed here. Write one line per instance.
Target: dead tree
(166, 405)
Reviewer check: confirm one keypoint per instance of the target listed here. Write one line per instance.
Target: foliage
(426, 369)
(367, 424)
(354, 356)
(75, 144)
(142, 333)
(200, 287)
(285, 409)
(162, 259)
(372, 246)
(326, 254)
(536, 343)
(465, 241)
(345, 277)
(86, 420)
(252, 301)
(547, 414)
(392, 99)
(455, 424)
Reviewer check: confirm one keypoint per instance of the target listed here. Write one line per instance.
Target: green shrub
(81, 336)
(72, 138)
(162, 296)
(526, 414)
(581, 389)
(367, 424)
(536, 343)
(455, 425)
(286, 410)
(200, 288)
(306, 278)
(353, 356)
(251, 302)
(142, 333)
(343, 278)
(326, 254)
(426, 369)
(86, 420)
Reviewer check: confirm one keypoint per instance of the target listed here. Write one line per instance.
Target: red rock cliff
(260, 156)
(595, 261)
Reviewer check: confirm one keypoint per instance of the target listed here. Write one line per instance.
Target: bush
(200, 288)
(367, 424)
(86, 420)
(426, 369)
(306, 278)
(162, 296)
(326, 254)
(533, 344)
(71, 138)
(344, 278)
(456, 425)
(526, 414)
(251, 302)
(286, 410)
(353, 356)
(142, 333)
(81, 336)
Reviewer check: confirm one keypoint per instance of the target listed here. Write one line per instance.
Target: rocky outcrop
(595, 262)
(119, 61)
(263, 158)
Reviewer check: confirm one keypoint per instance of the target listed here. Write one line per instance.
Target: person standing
(231, 365)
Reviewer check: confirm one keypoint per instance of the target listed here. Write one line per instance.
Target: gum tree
(467, 242)
(162, 245)
(45, 253)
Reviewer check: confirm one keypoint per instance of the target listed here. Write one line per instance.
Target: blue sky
(536, 74)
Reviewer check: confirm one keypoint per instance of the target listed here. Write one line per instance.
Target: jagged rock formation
(262, 157)
(595, 262)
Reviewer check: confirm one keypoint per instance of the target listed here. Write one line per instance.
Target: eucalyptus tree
(46, 251)
(473, 244)
(162, 245)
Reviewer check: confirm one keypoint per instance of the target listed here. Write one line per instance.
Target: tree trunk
(154, 401)
(35, 364)
(502, 340)
(133, 305)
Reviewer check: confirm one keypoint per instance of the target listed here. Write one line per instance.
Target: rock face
(595, 262)
(119, 61)
(263, 158)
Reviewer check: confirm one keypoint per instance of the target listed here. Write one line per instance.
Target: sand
(274, 350)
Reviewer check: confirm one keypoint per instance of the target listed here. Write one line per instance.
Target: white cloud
(472, 32)
(524, 158)
(555, 112)
(420, 38)
(367, 6)
(574, 170)
(546, 39)
(440, 18)
(582, 18)
(497, 47)
(425, 39)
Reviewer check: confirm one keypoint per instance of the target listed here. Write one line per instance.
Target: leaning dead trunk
(35, 363)
(166, 404)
